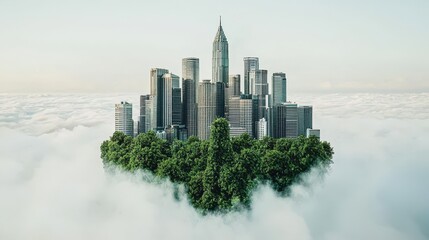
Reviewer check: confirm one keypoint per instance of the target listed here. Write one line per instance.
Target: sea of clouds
(53, 186)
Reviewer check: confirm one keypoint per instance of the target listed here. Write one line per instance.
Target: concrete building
(206, 108)
(190, 80)
(285, 120)
(279, 88)
(250, 63)
(305, 119)
(124, 118)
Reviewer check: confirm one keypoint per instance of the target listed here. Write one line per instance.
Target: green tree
(148, 151)
(219, 175)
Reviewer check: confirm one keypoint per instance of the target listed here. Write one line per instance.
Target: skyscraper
(142, 117)
(177, 106)
(124, 118)
(246, 108)
(150, 114)
(190, 80)
(220, 69)
(220, 60)
(206, 108)
(258, 82)
(157, 91)
(305, 119)
(234, 111)
(234, 85)
(285, 120)
(220, 99)
(250, 63)
(279, 88)
(169, 80)
(240, 116)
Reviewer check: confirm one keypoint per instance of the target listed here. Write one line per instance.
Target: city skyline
(66, 55)
(179, 113)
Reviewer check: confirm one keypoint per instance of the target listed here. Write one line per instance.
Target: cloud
(53, 186)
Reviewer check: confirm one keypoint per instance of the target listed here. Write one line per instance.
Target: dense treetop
(219, 174)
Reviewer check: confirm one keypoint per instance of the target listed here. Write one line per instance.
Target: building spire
(220, 21)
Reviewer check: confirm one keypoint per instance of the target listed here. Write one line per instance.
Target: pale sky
(110, 46)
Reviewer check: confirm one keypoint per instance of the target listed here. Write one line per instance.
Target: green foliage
(219, 175)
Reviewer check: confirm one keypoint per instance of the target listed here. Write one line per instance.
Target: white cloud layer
(53, 186)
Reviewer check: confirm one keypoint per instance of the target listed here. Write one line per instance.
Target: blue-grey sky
(109, 46)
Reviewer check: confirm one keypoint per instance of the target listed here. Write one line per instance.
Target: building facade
(278, 85)
(305, 119)
(258, 82)
(142, 116)
(250, 63)
(285, 120)
(234, 85)
(124, 118)
(157, 91)
(190, 80)
(206, 108)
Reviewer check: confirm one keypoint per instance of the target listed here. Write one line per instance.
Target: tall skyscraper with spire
(220, 60)
(220, 67)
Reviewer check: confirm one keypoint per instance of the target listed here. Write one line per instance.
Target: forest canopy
(219, 174)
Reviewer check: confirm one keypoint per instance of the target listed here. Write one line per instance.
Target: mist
(53, 185)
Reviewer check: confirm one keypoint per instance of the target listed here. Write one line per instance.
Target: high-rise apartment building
(305, 119)
(206, 108)
(285, 120)
(190, 80)
(124, 118)
(279, 88)
(250, 63)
